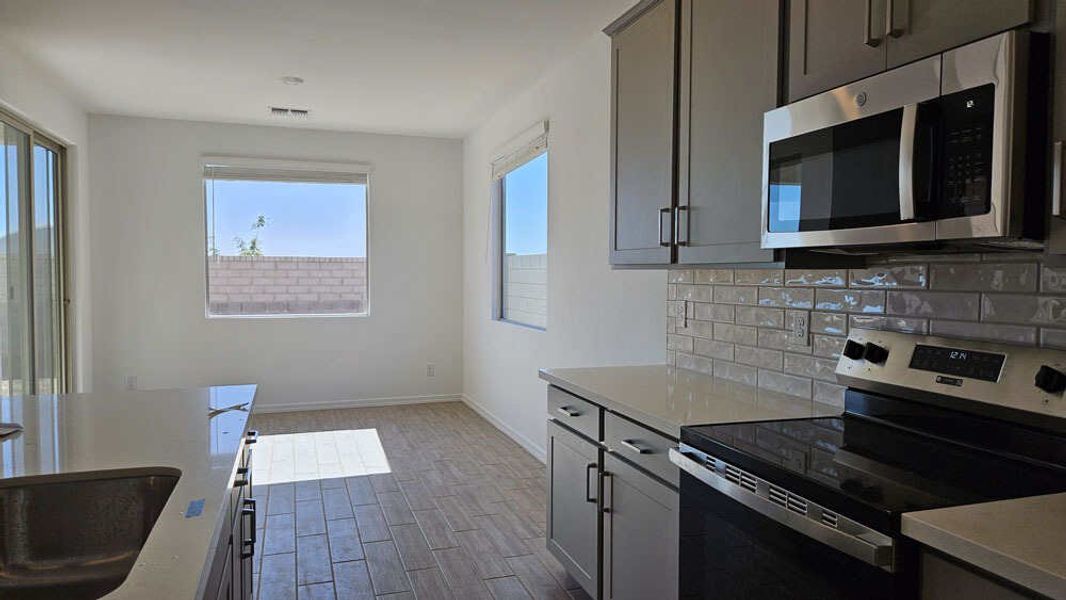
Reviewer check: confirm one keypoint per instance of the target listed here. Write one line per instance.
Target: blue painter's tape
(195, 509)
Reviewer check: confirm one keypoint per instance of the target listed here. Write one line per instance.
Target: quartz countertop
(1020, 540)
(78, 433)
(666, 398)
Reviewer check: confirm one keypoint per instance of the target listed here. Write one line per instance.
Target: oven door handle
(847, 536)
(906, 162)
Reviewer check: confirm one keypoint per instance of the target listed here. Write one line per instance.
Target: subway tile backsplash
(736, 323)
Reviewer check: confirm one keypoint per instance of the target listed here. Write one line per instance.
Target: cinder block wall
(736, 326)
(286, 285)
(525, 288)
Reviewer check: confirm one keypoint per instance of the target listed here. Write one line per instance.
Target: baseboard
(533, 448)
(362, 403)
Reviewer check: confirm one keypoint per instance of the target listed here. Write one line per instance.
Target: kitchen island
(188, 433)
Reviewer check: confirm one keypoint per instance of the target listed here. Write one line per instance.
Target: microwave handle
(906, 162)
(1056, 181)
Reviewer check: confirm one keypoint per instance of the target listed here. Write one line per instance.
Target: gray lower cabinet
(720, 141)
(834, 42)
(640, 529)
(230, 576)
(943, 579)
(573, 534)
(642, 137)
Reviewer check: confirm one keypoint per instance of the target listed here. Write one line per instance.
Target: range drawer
(575, 413)
(641, 446)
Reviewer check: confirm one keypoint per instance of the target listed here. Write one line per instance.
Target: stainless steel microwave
(933, 151)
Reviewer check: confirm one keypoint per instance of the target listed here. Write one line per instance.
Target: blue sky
(526, 206)
(303, 219)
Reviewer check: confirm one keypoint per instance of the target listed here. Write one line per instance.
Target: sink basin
(76, 536)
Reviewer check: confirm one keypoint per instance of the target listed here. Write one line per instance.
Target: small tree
(251, 247)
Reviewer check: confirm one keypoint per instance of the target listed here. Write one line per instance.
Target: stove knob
(1050, 380)
(854, 350)
(875, 354)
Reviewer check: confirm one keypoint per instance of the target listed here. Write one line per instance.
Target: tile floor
(422, 501)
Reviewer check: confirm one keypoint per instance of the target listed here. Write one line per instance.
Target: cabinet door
(573, 505)
(922, 28)
(642, 137)
(720, 136)
(237, 585)
(833, 42)
(640, 534)
(225, 584)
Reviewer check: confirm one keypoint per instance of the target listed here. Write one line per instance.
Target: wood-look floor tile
(308, 490)
(458, 569)
(280, 534)
(477, 591)
(536, 579)
(428, 584)
(316, 591)
(384, 482)
(539, 547)
(502, 537)
(395, 507)
(360, 491)
(352, 580)
(335, 503)
(312, 559)
(414, 551)
(309, 517)
(278, 581)
(453, 512)
(344, 542)
(418, 496)
(398, 596)
(578, 594)
(281, 499)
(487, 558)
(386, 570)
(371, 523)
(330, 483)
(260, 494)
(435, 527)
(507, 588)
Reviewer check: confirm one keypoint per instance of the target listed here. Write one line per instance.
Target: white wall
(28, 92)
(148, 268)
(596, 316)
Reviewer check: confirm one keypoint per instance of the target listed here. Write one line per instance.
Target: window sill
(364, 315)
(521, 324)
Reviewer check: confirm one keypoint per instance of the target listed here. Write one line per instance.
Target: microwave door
(838, 168)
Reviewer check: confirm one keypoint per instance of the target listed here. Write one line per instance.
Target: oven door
(733, 548)
(840, 169)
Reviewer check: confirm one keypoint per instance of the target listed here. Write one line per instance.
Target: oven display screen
(960, 363)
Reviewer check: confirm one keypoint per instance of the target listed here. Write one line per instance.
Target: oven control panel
(918, 366)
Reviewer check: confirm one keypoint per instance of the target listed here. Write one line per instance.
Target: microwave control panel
(967, 118)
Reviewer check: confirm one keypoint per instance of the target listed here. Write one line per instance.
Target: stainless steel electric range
(810, 508)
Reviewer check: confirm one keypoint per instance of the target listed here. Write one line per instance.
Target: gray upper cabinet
(573, 505)
(921, 28)
(642, 131)
(720, 141)
(640, 550)
(832, 42)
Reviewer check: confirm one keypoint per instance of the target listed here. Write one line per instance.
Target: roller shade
(520, 150)
(233, 169)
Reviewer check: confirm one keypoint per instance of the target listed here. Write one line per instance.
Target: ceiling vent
(284, 112)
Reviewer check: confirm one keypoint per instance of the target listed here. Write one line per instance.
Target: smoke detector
(288, 112)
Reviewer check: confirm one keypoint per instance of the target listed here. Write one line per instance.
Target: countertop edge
(671, 430)
(983, 557)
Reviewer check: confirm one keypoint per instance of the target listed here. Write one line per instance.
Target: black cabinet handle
(588, 494)
(248, 544)
(241, 472)
(251, 437)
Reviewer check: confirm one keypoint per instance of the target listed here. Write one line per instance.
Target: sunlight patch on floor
(288, 457)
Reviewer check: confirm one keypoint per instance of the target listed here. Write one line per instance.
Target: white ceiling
(432, 67)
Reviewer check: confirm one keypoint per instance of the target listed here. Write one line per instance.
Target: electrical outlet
(131, 382)
(431, 370)
(799, 327)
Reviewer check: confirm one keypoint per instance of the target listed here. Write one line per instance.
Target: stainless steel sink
(76, 536)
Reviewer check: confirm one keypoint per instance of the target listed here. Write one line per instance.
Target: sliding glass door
(31, 307)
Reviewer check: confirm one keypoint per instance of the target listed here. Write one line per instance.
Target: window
(32, 349)
(522, 239)
(285, 238)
